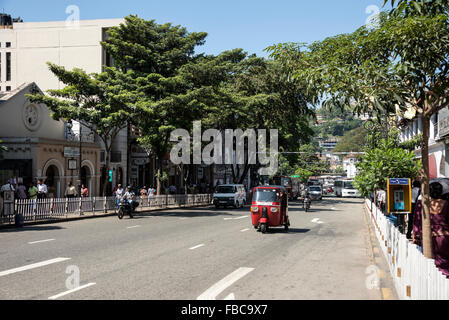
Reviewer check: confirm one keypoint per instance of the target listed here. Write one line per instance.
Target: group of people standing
(439, 221)
(34, 191)
(72, 192)
(439, 217)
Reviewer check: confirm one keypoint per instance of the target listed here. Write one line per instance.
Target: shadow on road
(290, 230)
(31, 228)
(191, 213)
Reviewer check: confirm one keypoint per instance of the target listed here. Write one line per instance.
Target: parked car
(230, 195)
(316, 192)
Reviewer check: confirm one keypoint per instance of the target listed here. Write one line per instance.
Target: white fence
(415, 277)
(44, 209)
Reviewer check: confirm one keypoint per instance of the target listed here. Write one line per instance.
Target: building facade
(438, 140)
(25, 49)
(39, 147)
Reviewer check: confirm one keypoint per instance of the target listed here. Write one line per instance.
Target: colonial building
(25, 49)
(411, 126)
(39, 147)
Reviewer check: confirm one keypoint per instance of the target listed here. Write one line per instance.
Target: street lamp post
(80, 159)
(70, 126)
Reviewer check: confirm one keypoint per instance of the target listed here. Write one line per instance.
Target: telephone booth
(399, 199)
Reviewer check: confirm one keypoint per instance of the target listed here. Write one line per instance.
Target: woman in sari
(439, 220)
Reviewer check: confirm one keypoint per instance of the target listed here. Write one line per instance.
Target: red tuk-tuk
(269, 207)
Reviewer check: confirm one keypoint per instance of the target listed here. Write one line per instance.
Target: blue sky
(248, 24)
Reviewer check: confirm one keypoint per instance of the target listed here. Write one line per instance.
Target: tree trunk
(158, 176)
(426, 226)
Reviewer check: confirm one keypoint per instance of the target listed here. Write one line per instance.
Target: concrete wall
(35, 44)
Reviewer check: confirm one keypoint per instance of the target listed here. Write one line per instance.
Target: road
(199, 253)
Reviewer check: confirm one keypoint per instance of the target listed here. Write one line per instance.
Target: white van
(230, 195)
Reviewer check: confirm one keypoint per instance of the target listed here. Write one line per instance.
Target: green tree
(352, 141)
(100, 102)
(162, 59)
(385, 161)
(401, 63)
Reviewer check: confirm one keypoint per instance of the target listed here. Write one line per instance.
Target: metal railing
(60, 208)
(415, 276)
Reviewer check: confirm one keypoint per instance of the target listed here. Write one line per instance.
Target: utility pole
(80, 159)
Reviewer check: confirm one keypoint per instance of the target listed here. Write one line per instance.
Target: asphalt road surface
(199, 253)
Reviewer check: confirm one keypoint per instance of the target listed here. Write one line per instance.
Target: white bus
(344, 188)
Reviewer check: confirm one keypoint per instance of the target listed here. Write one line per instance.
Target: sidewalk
(386, 282)
(92, 215)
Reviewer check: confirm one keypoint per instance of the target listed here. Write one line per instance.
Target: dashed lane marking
(223, 284)
(71, 291)
(196, 247)
(32, 266)
(41, 241)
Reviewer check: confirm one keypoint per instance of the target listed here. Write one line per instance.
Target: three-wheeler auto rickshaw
(269, 207)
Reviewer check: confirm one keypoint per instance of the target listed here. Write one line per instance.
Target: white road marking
(182, 218)
(71, 291)
(32, 266)
(220, 286)
(40, 241)
(317, 220)
(133, 227)
(244, 230)
(198, 246)
(231, 296)
(236, 218)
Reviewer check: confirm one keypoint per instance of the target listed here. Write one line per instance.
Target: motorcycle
(125, 208)
(306, 204)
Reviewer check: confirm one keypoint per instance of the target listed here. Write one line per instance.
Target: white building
(26, 47)
(349, 166)
(438, 143)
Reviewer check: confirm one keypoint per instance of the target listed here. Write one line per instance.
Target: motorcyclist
(305, 195)
(128, 197)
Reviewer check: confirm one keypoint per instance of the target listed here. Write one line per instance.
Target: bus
(345, 188)
(285, 182)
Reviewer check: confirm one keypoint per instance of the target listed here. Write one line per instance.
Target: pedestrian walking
(32, 191)
(70, 191)
(439, 221)
(42, 190)
(21, 191)
(119, 194)
(84, 191)
(32, 194)
(416, 191)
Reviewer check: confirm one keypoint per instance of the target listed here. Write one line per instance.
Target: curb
(91, 216)
(387, 289)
